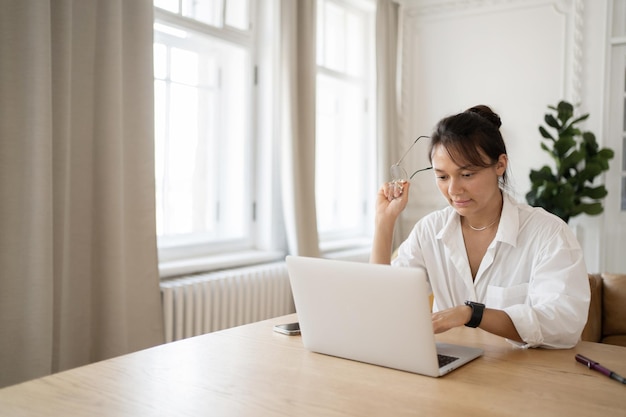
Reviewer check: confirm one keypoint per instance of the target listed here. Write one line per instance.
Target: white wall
(517, 56)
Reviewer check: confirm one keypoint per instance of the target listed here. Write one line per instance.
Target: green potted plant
(569, 190)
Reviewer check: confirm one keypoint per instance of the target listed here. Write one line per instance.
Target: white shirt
(533, 270)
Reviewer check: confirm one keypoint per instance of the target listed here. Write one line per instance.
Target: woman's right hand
(392, 199)
(390, 202)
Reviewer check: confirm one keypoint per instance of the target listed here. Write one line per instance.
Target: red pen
(597, 367)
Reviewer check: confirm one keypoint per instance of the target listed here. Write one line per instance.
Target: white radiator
(205, 303)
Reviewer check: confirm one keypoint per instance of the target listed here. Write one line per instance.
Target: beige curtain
(298, 73)
(78, 265)
(387, 89)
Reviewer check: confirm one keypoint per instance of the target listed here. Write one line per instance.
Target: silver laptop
(370, 313)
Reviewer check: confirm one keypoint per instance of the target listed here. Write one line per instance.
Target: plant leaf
(589, 140)
(595, 193)
(573, 159)
(544, 174)
(563, 145)
(591, 170)
(565, 111)
(570, 163)
(579, 119)
(545, 133)
(552, 122)
(592, 208)
(606, 153)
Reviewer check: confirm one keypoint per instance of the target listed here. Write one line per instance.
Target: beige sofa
(607, 310)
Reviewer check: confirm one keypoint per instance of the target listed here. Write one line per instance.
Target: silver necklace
(480, 229)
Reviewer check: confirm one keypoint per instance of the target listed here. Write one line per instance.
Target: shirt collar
(452, 225)
(508, 228)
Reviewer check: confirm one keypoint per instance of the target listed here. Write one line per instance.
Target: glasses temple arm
(408, 150)
(419, 170)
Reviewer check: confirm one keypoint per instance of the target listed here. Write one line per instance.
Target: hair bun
(487, 113)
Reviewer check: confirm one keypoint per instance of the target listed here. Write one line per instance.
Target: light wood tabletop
(253, 371)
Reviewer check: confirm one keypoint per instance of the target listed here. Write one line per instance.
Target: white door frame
(615, 207)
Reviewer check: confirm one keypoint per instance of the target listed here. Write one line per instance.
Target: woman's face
(470, 190)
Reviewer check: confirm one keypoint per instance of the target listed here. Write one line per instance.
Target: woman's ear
(501, 164)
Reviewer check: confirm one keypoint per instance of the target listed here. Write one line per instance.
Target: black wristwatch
(477, 313)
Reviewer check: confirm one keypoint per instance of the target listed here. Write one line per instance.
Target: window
(203, 75)
(216, 149)
(345, 120)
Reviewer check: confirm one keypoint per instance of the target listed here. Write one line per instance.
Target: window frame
(180, 256)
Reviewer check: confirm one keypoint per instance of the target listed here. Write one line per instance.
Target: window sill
(357, 250)
(190, 266)
(351, 250)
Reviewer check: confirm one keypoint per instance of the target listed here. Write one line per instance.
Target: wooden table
(253, 371)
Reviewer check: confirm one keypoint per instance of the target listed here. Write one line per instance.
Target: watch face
(474, 304)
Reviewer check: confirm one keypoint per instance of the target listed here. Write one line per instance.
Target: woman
(508, 268)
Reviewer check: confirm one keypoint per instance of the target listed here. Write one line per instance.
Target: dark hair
(468, 136)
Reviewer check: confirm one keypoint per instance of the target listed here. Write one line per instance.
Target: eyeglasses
(398, 173)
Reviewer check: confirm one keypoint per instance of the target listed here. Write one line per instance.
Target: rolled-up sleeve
(556, 310)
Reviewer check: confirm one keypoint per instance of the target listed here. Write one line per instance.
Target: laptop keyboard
(445, 359)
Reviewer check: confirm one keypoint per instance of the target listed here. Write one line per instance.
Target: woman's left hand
(453, 317)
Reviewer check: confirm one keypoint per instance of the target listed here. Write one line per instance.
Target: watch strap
(477, 313)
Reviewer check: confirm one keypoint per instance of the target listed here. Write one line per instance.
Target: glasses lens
(398, 173)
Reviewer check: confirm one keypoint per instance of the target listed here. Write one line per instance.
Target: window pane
(235, 155)
(326, 159)
(334, 32)
(355, 37)
(238, 14)
(206, 11)
(184, 66)
(183, 112)
(340, 156)
(169, 5)
(202, 141)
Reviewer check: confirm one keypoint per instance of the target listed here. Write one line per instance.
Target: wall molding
(415, 11)
(453, 7)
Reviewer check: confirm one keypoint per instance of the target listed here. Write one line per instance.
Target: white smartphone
(290, 329)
